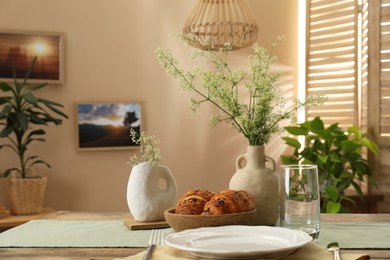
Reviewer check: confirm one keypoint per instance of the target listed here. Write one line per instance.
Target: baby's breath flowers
(149, 153)
(249, 100)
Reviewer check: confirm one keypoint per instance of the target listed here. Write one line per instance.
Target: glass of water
(300, 198)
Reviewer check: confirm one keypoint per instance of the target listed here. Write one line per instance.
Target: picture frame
(106, 125)
(18, 48)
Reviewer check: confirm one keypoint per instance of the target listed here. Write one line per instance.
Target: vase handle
(239, 159)
(271, 161)
(171, 186)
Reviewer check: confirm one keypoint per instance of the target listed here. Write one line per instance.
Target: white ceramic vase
(260, 181)
(150, 191)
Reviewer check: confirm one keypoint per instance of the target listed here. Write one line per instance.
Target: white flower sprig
(249, 100)
(149, 151)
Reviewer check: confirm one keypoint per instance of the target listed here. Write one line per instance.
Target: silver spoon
(334, 247)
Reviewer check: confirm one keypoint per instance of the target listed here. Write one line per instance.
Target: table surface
(110, 253)
(7, 220)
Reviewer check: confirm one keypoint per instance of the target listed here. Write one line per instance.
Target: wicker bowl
(181, 222)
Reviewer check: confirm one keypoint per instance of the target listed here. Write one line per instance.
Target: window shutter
(332, 58)
(380, 99)
(385, 72)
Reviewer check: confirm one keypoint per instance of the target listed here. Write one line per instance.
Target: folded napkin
(308, 252)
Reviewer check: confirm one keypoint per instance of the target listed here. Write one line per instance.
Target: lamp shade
(213, 23)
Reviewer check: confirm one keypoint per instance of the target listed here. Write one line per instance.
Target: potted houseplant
(151, 188)
(337, 153)
(250, 101)
(22, 113)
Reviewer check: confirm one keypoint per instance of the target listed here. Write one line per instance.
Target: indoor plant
(251, 102)
(337, 153)
(21, 111)
(151, 188)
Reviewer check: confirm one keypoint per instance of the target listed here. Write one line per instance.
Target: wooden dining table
(112, 253)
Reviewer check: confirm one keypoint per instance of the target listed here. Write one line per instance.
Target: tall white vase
(150, 191)
(260, 181)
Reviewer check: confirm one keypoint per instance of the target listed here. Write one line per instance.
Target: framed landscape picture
(106, 126)
(17, 50)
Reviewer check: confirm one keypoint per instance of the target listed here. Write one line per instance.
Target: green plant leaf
(292, 142)
(5, 87)
(38, 86)
(353, 130)
(306, 161)
(334, 157)
(323, 158)
(6, 131)
(332, 192)
(288, 160)
(50, 102)
(57, 111)
(372, 146)
(22, 120)
(40, 162)
(36, 132)
(333, 207)
(317, 125)
(349, 146)
(4, 100)
(6, 173)
(295, 130)
(306, 125)
(35, 119)
(357, 188)
(345, 198)
(29, 97)
(6, 110)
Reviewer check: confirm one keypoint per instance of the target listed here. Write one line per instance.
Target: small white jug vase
(260, 181)
(150, 191)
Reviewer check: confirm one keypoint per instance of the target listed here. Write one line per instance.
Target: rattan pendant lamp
(212, 23)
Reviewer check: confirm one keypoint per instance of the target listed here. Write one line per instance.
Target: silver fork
(156, 238)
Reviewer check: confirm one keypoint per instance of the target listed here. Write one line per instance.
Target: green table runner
(74, 233)
(114, 233)
(355, 235)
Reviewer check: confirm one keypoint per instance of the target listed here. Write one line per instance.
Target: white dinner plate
(238, 242)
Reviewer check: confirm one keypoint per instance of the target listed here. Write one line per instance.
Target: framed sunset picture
(17, 50)
(106, 126)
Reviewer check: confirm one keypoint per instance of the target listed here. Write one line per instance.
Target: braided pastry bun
(192, 202)
(229, 201)
(207, 195)
(192, 205)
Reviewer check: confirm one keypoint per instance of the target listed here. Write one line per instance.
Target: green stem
(189, 84)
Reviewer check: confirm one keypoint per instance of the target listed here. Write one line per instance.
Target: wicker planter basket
(26, 195)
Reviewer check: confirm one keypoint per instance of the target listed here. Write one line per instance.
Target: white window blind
(384, 101)
(385, 71)
(332, 59)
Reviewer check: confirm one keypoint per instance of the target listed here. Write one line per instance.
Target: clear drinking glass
(300, 198)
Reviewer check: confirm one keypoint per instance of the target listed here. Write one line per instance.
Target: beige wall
(110, 57)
